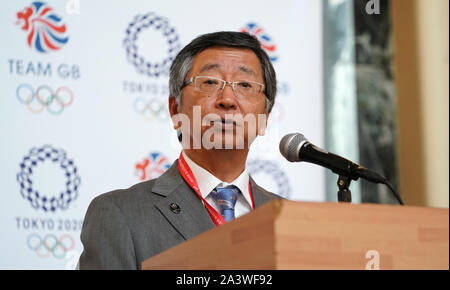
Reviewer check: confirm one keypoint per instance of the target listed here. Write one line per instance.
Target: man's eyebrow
(247, 70)
(209, 66)
(214, 66)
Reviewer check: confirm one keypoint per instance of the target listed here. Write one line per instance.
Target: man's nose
(226, 98)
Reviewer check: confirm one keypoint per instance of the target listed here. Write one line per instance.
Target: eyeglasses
(212, 86)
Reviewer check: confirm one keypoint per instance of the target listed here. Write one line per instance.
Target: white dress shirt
(207, 182)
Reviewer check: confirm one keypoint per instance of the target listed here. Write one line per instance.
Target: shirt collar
(207, 182)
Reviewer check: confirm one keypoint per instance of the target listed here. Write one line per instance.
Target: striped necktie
(226, 198)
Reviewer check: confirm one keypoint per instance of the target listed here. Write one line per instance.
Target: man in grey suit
(218, 77)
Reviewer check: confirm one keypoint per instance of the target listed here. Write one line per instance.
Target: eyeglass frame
(191, 80)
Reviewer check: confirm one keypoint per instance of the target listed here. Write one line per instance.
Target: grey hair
(182, 63)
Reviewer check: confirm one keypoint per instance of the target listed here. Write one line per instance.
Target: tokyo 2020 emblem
(151, 68)
(270, 171)
(48, 201)
(46, 30)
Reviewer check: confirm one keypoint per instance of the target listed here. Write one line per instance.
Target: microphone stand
(344, 193)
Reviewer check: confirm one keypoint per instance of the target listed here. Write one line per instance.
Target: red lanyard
(188, 176)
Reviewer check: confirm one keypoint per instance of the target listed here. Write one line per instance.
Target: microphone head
(290, 146)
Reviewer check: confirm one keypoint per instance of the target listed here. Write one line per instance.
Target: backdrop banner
(84, 106)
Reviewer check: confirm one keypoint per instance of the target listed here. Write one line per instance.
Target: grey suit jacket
(123, 228)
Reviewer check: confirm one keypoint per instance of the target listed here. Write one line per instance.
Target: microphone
(296, 148)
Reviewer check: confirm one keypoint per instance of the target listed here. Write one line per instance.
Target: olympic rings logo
(51, 245)
(151, 109)
(44, 98)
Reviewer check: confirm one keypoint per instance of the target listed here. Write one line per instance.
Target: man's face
(228, 64)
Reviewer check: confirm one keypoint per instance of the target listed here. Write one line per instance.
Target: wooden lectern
(286, 234)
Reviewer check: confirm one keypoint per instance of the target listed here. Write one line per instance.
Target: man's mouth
(224, 124)
(231, 122)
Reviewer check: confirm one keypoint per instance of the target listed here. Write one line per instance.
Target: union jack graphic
(152, 166)
(46, 30)
(265, 40)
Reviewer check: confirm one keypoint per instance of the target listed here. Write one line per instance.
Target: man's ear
(173, 110)
(262, 123)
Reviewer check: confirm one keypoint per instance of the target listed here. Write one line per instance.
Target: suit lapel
(260, 196)
(192, 218)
